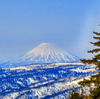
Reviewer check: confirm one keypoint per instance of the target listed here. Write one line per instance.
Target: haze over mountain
(44, 53)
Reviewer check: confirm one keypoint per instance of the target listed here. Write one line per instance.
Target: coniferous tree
(95, 79)
(76, 95)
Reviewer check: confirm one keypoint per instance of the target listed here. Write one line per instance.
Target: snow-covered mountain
(44, 53)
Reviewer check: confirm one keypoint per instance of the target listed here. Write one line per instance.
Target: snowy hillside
(42, 81)
(44, 53)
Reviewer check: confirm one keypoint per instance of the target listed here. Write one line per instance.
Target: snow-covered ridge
(52, 65)
(44, 53)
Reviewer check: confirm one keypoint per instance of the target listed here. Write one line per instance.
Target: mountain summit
(44, 53)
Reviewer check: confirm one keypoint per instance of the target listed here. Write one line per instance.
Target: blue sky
(24, 24)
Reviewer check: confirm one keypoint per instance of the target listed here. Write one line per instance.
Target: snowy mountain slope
(44, 53)
(42, 81)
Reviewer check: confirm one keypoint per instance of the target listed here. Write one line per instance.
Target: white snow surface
(81, 70)
(45, 53)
